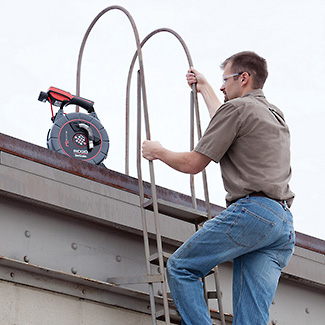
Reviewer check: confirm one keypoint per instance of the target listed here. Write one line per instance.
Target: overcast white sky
(40, 41)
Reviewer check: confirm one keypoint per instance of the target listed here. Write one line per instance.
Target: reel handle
(62, 98)
(82, 102)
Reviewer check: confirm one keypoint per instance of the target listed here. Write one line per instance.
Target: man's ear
(244, 78)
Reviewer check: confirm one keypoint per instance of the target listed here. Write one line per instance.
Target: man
(250, 139)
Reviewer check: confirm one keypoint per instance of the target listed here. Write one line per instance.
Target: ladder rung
(215, 315)
(175, 318)
(136, 279)
(178, 211)
(212, 295)
(154, 258)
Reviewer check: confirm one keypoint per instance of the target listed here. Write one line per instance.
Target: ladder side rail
(80, 56)
(219, 294)
(207, 203)
(86, 35)
(192, 184)
(154, 195)
(151, 167)
(144, 98)
(199, 135)
(141, 196)
(154, 202)
(129, 79)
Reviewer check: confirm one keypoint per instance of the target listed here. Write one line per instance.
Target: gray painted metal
(179, 212)
(68, 233)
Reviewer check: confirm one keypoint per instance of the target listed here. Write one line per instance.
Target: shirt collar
(255, 93)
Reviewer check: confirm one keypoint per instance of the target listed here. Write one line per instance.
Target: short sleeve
(220, 133)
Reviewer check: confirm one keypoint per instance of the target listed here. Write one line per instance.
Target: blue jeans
(257, 234)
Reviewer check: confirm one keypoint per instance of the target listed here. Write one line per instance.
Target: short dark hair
(250, 62)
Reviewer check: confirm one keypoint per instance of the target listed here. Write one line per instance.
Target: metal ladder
(192, 215)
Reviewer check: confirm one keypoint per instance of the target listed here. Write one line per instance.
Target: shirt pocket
(249, 229)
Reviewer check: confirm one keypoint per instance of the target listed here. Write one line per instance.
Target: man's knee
(170, 266)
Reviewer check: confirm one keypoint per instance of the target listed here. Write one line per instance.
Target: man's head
(243, 72)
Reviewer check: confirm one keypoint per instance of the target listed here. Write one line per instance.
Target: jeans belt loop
(285, 206)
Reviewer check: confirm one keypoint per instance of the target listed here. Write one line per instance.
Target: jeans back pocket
(249, 229)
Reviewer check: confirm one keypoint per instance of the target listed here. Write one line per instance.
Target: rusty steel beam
(92, 172)
(115, 179)
(311, 243)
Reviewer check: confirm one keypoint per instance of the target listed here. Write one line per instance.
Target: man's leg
(184, 279)
(256, 275)
(255, 281)
(207, 248)
(247, 226)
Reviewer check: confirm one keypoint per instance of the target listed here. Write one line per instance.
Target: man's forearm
(186, 162)
(180, 161)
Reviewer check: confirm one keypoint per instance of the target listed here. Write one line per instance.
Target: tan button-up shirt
(251, 140)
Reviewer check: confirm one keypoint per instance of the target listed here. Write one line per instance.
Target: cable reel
(77, 135)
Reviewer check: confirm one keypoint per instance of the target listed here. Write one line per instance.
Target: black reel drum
(77, 135)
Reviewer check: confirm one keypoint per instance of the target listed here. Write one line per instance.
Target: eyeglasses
(232, 75)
